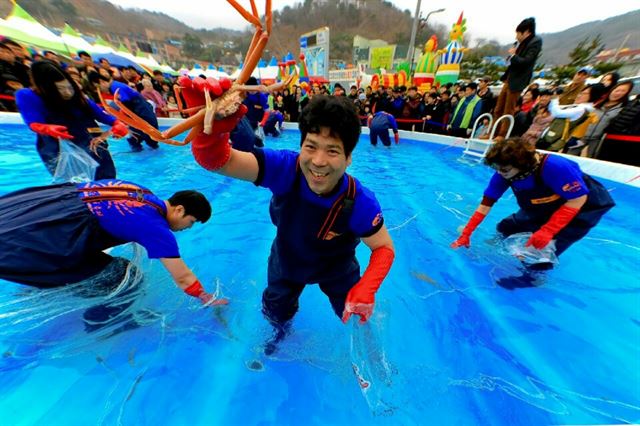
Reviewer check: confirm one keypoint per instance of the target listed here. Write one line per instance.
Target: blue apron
(49, 238)
(83, 128)
(538, 204)
(313, 244)
(380, 129)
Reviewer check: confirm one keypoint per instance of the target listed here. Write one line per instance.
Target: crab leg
(246, 15)
(130, 118)
(253, 58)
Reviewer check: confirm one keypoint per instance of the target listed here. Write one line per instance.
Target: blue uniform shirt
(278, 173)
(33, 109)
(561, 175)
(130, 220)
(384, 120)
(125, 93)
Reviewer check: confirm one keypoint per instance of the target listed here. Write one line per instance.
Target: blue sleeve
(393, 123)
(264, 101)
(366, 218)
(31, 106)
(564, 177)
(277, 169)
(497, 186)
(125, 93)
(100, 115)
(157, 238)
(280, 118)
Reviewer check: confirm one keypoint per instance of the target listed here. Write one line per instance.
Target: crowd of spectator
(451, 109)
(15, 63)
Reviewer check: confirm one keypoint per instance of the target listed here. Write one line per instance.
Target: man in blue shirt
(51, 236)
(320, 212)
(272, 123)
(557, 200)
(379, 126)
(135, 102)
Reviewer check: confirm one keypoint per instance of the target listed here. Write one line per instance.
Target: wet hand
(209, 299)
(539, 239)
(462, 241)
(363, 310)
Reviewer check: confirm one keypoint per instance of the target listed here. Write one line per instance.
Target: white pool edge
(621, 173)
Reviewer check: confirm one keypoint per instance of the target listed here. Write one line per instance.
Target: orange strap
(117, 193)
(344, 201)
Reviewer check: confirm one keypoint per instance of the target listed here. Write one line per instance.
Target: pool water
(446, 345)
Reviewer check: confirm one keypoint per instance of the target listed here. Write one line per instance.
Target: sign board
(382, 57)
(315, 46)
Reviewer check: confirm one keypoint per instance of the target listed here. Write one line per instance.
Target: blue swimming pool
(446, 345)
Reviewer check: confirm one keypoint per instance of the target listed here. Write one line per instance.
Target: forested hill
(377, 20)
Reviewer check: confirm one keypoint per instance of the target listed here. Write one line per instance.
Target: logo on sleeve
(572, 187)
(377, 219)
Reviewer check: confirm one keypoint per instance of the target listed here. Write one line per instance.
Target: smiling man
(321, 214)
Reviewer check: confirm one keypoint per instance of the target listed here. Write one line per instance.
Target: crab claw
(193, 96)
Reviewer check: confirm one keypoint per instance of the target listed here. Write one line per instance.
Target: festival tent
(101, 46)
(267, 73)
(195, 71)
(183, 70)
(211, 71)
(101, 49)
(118, 61)
(124, 52)
(147, 61)
(73, 41)
(236, 73)
(23, 28)
(165, 68)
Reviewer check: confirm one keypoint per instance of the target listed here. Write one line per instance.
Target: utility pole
(414, 30)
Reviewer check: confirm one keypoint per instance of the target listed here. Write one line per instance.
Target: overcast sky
(490, 19)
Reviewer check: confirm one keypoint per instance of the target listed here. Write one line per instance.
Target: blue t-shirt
(561, 175)
(33, 109)
(125, 93)
(383, 120)
(132, 220)
(278, 173)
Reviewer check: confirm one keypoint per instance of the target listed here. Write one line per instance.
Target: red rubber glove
(361, 297)
(556, 223)
(119, 129)
(396, 136)
(196, 290)
(464, 239)
(52, 130)
(265, 117)
(213, 151)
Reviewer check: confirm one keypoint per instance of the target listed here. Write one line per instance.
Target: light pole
(414, 30)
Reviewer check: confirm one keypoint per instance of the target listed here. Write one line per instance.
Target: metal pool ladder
(478, 147)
